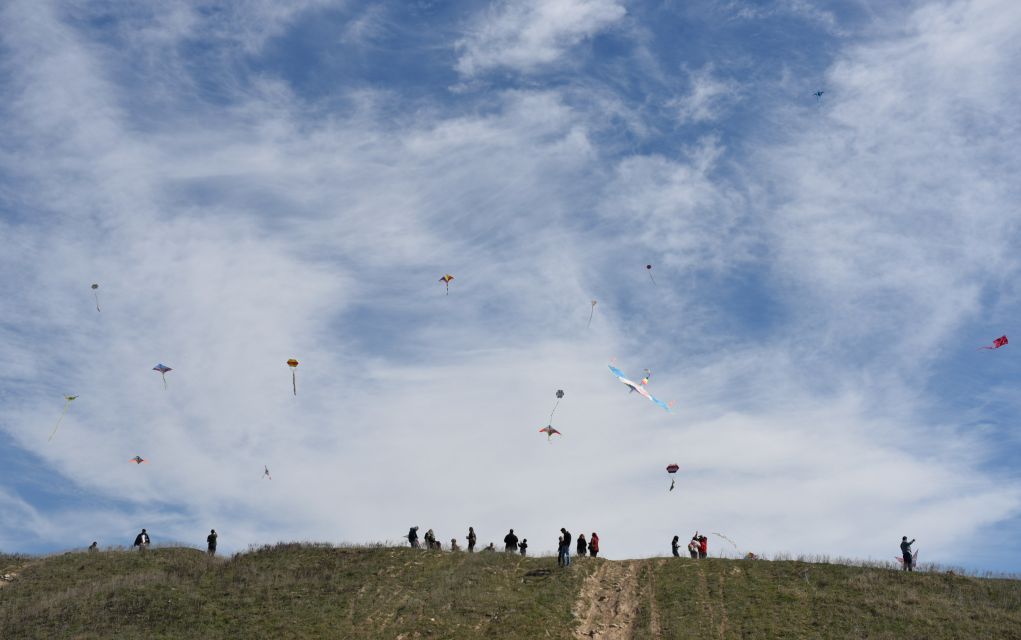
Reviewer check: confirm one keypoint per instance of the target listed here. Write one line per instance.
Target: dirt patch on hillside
(608, 602)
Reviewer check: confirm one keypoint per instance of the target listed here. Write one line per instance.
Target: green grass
(318, 591)
(289, 591)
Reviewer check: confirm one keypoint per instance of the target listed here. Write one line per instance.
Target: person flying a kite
(67, 403)
(639, 387)
(163, 369)
(999, 342)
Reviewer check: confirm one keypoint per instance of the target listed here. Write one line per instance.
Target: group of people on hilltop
(698, 547)
(511, 544)
(142, 542)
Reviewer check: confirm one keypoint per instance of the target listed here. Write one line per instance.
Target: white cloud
(708, 97)
(229, 240)
(524, 36)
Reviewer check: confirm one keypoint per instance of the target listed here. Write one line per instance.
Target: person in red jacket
(703, 547)
(593, 545)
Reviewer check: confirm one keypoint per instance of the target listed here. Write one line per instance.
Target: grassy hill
(318, 591)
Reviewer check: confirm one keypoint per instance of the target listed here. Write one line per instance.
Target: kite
(265, 472)
(138, 460)
(162, 368)
(95, 292)
(999, 342)
(672, 469)
(591, 313)
(639, 387)
(728, 540)
(293, 364)
(818, 95)
(446, 280)
(549, 431)
(67, 403)
(914, 559)
(648, 268)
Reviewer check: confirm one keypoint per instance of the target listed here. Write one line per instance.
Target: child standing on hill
(523, 547)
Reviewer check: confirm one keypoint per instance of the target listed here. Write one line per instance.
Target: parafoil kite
(648, 268)
(446, 281)
(639, 387)
(95, 292)
(163, 369)
(672, 469)
(550, 432)
(138, 460)
(999, 342)
(67, 403)
(265, 472)
(293, 364)
(591, 313)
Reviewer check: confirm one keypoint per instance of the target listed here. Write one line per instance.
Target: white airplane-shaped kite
(639, 386)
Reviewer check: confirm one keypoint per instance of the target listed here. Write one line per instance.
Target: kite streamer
(95, 292)
(67, 403)
(293, 364)
(591, 313)
(163, 369)
(732, 543)
(648, 268)
(446, 280)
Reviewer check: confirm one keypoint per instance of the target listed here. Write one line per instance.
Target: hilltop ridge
(320, 591)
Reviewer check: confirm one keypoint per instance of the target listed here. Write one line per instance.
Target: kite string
(555, 405)
(67, 403)
(732, 543)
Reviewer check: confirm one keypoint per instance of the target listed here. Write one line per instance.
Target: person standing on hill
(567, 546)
(905, 550)
(560, 551)
(510, 542)
(523, 547)
(703, 548)
(471, 539)
(430, 540)
(694, 546)
(453, 545)
(582, 545)
(142, 540)
(675, 544)
(593, 545)
(211, 542)
(413, 537)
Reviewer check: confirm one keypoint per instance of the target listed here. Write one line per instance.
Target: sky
(250, 181)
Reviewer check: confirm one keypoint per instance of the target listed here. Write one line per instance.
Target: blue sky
(249, 183)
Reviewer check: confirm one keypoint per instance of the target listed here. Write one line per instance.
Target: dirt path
(608, 602)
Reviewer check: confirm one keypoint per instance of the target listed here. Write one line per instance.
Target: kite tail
(57, 426)
(164, 376)
(294, 382)
(97, 300)
(653, 279)
(592, 313)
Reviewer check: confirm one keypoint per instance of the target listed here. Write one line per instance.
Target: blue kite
(639, 386)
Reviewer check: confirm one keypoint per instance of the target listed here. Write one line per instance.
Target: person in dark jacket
(582, 545)
(142, 540)
(413, 537)
(471, 539)
(593, 545)
(566, 546)
(94, 546)
(523, 547)
(510, 542)
(675, 544)
(905, 550)
(211, 542)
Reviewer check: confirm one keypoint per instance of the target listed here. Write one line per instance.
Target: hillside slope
(317, 591)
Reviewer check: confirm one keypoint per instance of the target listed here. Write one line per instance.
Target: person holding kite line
(905, 549)
(510, 542)
(211, 542)
(675, 544)
(471, 539)
(142, 540)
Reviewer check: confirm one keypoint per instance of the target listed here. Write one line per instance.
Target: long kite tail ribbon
(294, 382)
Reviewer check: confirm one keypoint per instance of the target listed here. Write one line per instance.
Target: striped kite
(639, 386)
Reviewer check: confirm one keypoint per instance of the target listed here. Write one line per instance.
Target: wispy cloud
(524, 36)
